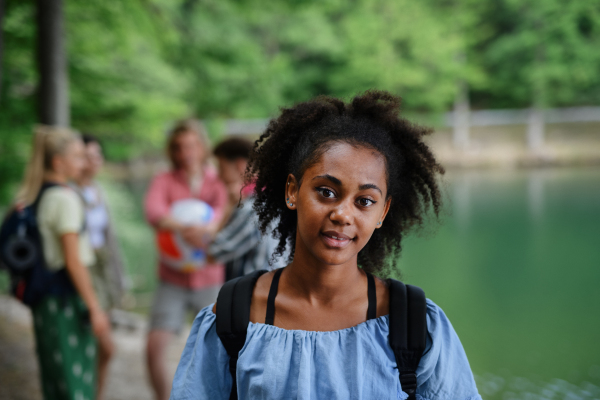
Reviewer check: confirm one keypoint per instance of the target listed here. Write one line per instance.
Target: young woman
(66, 326)
(108, 272)
(346, 183)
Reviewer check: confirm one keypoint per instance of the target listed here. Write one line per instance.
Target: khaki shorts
(172, 302)
(105, 286)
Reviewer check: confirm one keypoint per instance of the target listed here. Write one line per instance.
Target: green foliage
(543, 52)
(122, 86)
(136, 65)
(17, 105)
(251, 57)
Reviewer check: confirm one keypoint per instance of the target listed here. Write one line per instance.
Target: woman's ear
(291, 192)
(386, 208)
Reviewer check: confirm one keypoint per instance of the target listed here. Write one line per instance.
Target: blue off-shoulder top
(352, 363)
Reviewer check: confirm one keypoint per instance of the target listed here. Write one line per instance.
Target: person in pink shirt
(191, 177)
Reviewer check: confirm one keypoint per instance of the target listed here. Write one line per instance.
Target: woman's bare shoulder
(258, 307)
(260, 295)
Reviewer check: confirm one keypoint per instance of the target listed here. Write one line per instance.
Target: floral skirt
(66, 348)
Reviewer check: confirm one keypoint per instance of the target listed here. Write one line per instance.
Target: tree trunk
(461, 117)
(2, 7)
(53, 95)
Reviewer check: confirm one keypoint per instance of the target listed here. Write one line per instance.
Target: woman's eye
(326, 192)
(366, 202)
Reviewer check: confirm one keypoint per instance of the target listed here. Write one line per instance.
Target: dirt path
(18, 364)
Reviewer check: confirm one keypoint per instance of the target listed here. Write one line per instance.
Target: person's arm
(115, 256)
(199, 236)
(64, 213)
(237, 238)
(83, 284)
(157, 207)
(167, 223)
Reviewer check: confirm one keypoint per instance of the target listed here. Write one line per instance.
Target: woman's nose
(341, 214)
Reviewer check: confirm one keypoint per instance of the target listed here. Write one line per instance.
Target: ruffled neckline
(384, 319)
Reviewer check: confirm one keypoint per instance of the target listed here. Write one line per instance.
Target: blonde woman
(66, 325)
(190, 177)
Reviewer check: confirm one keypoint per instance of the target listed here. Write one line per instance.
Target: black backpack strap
(270, 316)
(45, 186)
(408, 331)
(233, 316)
(372, 297)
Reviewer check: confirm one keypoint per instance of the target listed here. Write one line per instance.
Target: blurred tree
(17, 106)
(53, 90)
(249, 57)
(1, 41)
(539, 52)
(135, 65)
(385, 48)
(123, 87)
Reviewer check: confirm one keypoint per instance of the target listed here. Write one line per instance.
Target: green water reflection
(516, 267)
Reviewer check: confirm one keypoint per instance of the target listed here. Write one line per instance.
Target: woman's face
(95, 158)
(71, 162)
(341, 199)
(188, 151)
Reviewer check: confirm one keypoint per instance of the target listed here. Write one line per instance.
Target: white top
(96, 216)
(60, 212)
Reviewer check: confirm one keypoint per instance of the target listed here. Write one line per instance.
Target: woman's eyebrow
(335, 180)
(329, 177)
(370, 186)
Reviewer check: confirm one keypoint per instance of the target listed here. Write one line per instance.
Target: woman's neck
(53, 176)
(322, 283)
(193, 171)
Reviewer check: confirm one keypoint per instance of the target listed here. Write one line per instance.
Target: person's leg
(66, 348)
(168, 312)
(104, 357)
(158, 341)
(103, 293)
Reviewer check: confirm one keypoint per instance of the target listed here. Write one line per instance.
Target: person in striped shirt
(238, 242)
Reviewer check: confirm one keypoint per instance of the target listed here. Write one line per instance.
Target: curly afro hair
(302, 134)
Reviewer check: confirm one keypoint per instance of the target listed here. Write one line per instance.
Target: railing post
(461, 117)
(535, 129)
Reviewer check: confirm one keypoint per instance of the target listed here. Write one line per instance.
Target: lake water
(515, 265)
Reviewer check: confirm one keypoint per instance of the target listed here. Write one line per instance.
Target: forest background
(135, 66)
(514, 262)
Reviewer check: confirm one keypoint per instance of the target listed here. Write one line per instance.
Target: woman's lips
(335, 239)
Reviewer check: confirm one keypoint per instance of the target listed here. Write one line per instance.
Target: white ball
(176, 252)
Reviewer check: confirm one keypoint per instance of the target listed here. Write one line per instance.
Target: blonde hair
(47, 143)
(183, 127)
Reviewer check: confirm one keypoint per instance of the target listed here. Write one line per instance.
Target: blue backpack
(22, 254)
